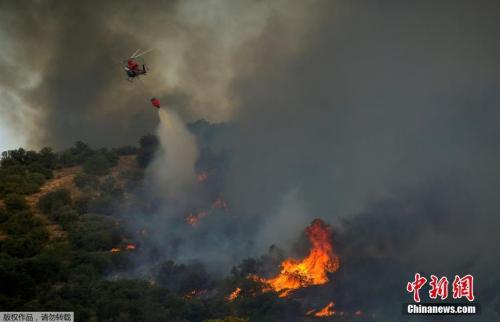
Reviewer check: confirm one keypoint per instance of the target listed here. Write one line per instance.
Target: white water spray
(173, 168)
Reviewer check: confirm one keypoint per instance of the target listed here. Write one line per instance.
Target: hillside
(66, 245)
(84, 230)
(65, 179)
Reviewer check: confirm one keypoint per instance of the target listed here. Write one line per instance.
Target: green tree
(47, 158)
(81, 152)
(97, 164)
(84, 180)
(54, 200)
(14, 202)
(126, 150)
(111, 187)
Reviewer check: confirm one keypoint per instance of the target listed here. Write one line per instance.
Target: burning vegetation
(324, 312)
(193, 219)
(329, 311)
(121, 228)
(128, 247)
(189, 283)
(234, 294)
(311, 270)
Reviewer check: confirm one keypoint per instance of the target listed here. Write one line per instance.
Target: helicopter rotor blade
(135, 53)
(140, 54)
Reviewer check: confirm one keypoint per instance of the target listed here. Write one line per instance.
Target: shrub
(111, 156)
(25, 243)
(47, 158)
(102, 204)
(126, 150)
(134, 175)
(133, 178)
(181, 278)
(81, 152)
(40, 171)
(14, 202)
(20, 183)
(4, 215)
(55, 200)
(66, 159)
(64, 216)
(23, 172)
(110, 187)
(94, 233)
(97, 165)
(20, 222)
(38, 178)
(86, 180)
(81, 204)
(19, 156)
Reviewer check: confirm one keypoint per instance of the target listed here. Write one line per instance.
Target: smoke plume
(173, 168)
(62, 63)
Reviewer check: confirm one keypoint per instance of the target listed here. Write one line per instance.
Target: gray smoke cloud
(388, 101)
(63, 73)
(383, 95)
(290, 211)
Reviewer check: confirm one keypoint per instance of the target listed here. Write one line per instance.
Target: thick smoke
(62, 63)
(386, 97)
(390, 101)
(291, 212)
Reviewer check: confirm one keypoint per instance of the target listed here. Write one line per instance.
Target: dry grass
(64, 179)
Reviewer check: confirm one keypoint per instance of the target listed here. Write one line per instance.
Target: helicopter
(135, 66)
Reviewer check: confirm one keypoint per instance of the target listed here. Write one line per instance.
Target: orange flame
(192, 219)
(326, 311)
(115, 250)
(312, 270)
(234, 294)
(130, 247)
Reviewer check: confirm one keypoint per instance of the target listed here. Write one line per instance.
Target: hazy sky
(63, 79)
